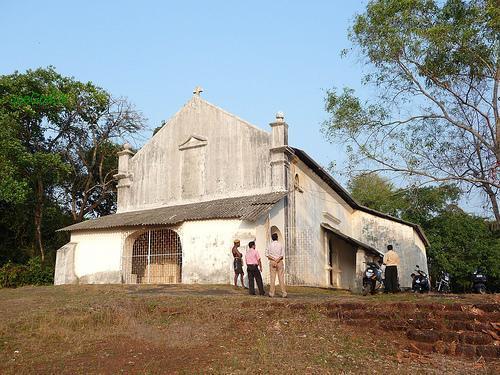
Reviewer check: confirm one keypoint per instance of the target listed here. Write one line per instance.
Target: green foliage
(34, 134)
(14, 185)
(446, 38)
(435, 69)
(461, 243)
(350, 116)
(17, 231)
(424, 203)
(416, 204)
(33, 273)
(58, 152)
(375, 192)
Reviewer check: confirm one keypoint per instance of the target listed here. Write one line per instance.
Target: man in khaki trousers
(275, 254)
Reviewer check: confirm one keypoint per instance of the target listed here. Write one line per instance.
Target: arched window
(274, 229)
(296, 183)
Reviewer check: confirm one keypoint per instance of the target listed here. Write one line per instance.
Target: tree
(90, 191)
(56, 140)
(413, 203)
(13, 183)
(376, 192)
(436, 69)
(460, 244)
(32, 165)
(423, 203)
(89, 150)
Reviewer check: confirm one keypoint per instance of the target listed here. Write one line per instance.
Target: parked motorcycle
(479, 282)
(443, 284)
(372, 279)
(420, 281)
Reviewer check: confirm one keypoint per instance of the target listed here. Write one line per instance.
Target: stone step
(431, 336)
(459, 325)
(462, 350)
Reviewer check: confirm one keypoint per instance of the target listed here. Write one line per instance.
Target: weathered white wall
(206, 249)
(65, 265)
(311, 204)
(206, 246)
(98, 256)
(314, 198)
(230, 158)
(379, 232)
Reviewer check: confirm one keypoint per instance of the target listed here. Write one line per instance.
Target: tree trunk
(494, 203)
(38, 219)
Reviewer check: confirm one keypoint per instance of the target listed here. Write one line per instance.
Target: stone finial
(197, 90)
(127, 146)
(280, 117)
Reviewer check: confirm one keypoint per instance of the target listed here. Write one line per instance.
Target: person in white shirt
(275, 253)
(391, 261)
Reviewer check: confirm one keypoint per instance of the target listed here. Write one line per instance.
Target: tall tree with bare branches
(436, 68)
(58, 145)
(91, 148)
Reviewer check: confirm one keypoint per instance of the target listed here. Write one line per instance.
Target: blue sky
(253, 58)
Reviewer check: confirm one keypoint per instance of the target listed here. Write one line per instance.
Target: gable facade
(202, 153)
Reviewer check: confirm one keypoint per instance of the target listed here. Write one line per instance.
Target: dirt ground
(218, 329)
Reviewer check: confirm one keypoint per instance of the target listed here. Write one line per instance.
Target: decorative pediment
(193, 141)
(330, 218)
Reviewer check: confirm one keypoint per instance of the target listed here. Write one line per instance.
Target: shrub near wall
(16, 275)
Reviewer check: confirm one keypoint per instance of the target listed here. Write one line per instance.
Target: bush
(460, 244)
(33, 273)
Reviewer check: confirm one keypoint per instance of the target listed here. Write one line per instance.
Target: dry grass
(201, 329)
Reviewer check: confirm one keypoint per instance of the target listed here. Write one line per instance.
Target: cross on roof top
(197, 90)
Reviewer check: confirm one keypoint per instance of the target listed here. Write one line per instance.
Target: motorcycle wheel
(367, 288)
(481, 289)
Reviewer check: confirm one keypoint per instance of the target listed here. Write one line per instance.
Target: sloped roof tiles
(244, 208)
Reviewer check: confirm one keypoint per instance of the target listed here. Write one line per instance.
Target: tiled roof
(245, 208)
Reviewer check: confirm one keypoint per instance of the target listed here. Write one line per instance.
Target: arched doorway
(153, 257)
(274, 229)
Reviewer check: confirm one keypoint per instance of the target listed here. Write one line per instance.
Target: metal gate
(156, 258)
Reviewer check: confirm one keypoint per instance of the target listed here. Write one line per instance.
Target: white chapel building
(208, 177)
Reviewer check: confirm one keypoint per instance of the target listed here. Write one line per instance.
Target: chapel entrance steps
(466, 330)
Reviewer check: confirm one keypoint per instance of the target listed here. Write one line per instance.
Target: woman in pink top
(254, 268)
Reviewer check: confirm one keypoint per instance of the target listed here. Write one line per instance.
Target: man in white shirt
(275, 254)
(391, 261)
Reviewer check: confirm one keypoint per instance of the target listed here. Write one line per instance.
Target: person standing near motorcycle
(391, 261)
